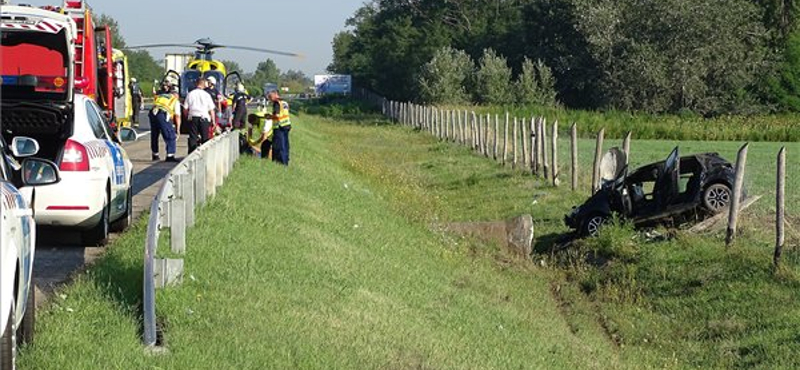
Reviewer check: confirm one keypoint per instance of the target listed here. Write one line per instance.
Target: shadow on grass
(553, 242)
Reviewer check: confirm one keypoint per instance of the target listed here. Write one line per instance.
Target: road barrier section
(186, 188)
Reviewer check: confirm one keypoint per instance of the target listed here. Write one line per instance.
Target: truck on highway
(177, 62)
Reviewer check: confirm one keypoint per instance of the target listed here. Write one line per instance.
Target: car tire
(716, 198)
(8, 343)
(26, 330)
(98, 235)
(126, 220)
(591, 225)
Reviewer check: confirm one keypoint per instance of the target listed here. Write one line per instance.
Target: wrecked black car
(698, 185)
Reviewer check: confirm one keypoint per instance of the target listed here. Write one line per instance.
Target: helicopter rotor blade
(152, 46)
(268, 51)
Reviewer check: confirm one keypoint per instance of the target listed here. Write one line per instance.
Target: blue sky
(303, 26)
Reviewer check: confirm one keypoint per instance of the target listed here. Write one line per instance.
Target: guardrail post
(189, 191)
(200, 180)
(211, 172)
(219, 154)
(177, 219)
(167, 272)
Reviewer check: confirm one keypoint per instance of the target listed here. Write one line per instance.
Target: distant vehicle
(18, 244)
(40, 101)
(333, 84)
(270, 86)
(176, 62)
(698, 184)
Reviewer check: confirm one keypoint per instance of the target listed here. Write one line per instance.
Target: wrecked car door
(666, 189)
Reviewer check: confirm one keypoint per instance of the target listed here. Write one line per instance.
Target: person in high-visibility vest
(259, 134)
(282, 124)
(166, 108)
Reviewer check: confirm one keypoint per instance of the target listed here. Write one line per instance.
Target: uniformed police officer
(136, 100)
(281, 126)
(166, 108)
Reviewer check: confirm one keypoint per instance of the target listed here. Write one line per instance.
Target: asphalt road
(59, 253)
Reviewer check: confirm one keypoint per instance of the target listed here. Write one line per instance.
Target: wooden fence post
(487, 135)
(496, 136)
(474, 131)
(573, 139)
(524, 137)
(598, 154)
(515, 139)
(539, 145)
(626, 147)
(545, 160)
(554, 148)
(505, 140)
(780, 214)
(733, 215)
(532, 140)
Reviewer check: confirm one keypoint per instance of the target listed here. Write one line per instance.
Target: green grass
(335, 263)
(319, 267)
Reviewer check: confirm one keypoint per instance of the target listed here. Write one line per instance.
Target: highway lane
(59, 253)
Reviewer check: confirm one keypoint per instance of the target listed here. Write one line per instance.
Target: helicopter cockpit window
(189, 81)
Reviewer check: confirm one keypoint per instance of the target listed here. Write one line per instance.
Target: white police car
(17, 244)
(42, 100)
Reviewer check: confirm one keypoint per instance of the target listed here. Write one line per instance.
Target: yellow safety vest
(257, 130)
(165, 102)
(283, 115)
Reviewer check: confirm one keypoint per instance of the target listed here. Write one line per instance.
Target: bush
(536, 84)
(493, 80)
(445, 78)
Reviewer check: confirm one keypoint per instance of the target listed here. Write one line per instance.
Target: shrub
(536, 84)
(444, 79)
(493, 80)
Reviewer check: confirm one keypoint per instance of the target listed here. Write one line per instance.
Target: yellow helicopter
(204, 66)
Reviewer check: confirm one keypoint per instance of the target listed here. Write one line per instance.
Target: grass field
(334, 264)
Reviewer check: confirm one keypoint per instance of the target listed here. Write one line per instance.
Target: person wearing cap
(200, 110)
(166, 108)
(240, 100)
(282, 124)
(136, 100)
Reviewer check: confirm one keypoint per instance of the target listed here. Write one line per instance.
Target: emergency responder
(166, 108)
(281, 126)
(211, 88)
(200, 111)
(240, 100)
(259, 134)
(136, 99)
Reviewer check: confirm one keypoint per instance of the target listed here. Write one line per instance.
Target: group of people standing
(266, 133)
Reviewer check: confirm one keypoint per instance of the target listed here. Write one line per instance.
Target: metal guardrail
(189, 185)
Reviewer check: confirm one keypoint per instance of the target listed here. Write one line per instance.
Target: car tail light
(75, 157)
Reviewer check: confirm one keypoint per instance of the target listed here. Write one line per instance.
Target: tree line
(710, 57)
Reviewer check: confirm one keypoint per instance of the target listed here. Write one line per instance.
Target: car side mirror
(39, 172)
(128, 135)
(22, 146)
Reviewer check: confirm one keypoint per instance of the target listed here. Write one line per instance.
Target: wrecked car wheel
(716, 198)
(593, 224)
